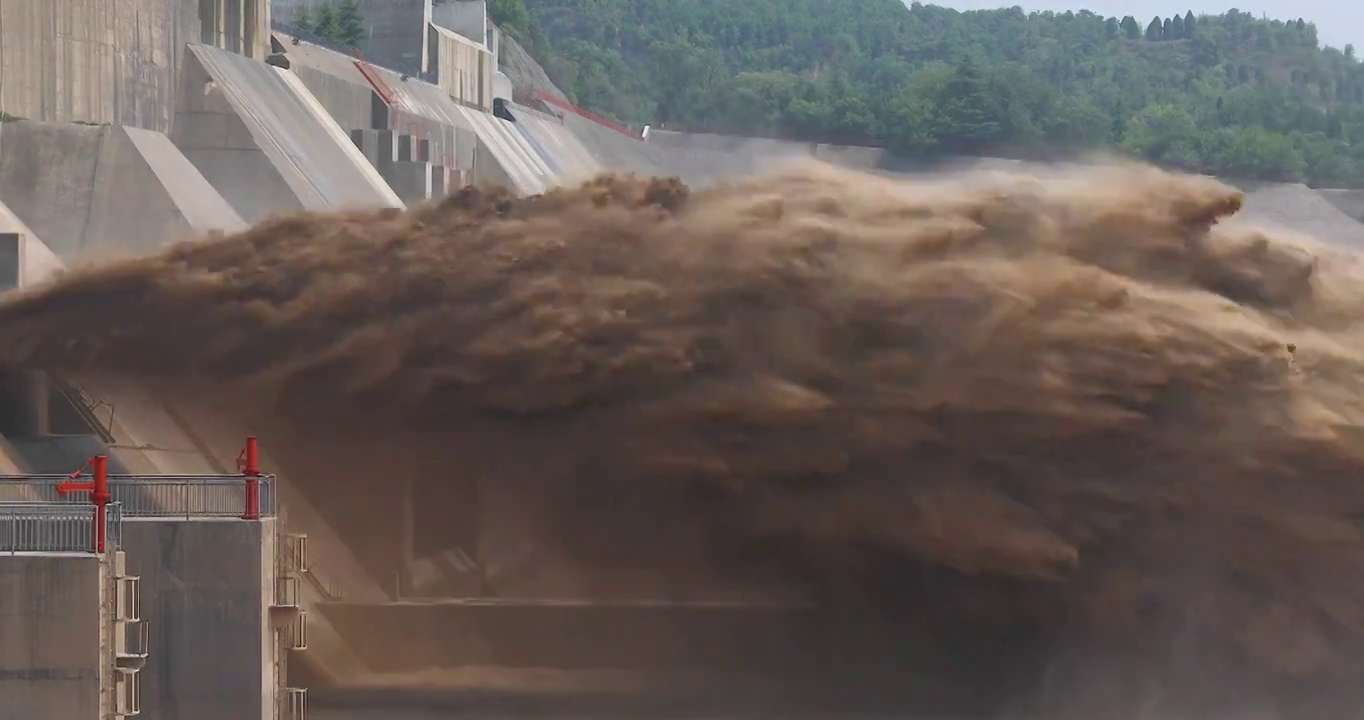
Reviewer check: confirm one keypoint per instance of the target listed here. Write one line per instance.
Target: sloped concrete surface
(105, 190)
(9, 465)
(1348, 201)
(266, 143)
(519, 162)
(36, 262)
(530, 156)
(568, 158)
(151, 436)
(1300, 209)
(201, 207)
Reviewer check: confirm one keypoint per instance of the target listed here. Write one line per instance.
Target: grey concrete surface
(1350, 202)
(102, 61)
(265, 143)
(1300, 209)
(105, 190)
(518, 164)
(161, 433)
(466, 17)
(462, 67)
(623, 154)
(206, 590)
(350, 102)
(396, 28)
(111, 61)
(411, 180)
(26, 258)
(487, 150)
(568, 158)
(51, 629)
(59, 454)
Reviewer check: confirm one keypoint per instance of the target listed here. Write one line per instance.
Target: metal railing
(324, 584)
(158, 496)
(295, 706)
(127, 694)
(55, 527)
(133, 640)
(128, 600)
(85, 406)
(567, 106)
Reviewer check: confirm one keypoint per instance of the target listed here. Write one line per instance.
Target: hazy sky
(1338, 21)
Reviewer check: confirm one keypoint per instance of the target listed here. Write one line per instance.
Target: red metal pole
(251, 469)
(100, 497)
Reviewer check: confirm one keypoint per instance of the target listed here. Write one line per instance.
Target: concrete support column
(410, 180)
(25, 404)
(10, 260)
(440, 181)
(380, 147)
(37, 394)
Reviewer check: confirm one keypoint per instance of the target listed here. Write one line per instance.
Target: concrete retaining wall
(351, 104)
(419, 109)
(206, 590)
(105, 190)
(464, 69)
(265, 143)
(31, 262)
(50, 635)
(112, 61)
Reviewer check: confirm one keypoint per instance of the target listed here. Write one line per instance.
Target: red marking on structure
(566, 105)
(98, 487)
(248, 463)
(375, 80)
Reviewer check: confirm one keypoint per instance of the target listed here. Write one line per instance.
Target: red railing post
(100, 497)
(249, 463)
(98, 487)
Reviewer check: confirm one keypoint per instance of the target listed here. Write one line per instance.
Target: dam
(225, 565)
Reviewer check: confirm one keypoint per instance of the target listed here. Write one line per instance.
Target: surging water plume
(1073, 404)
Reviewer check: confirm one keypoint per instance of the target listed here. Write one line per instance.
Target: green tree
(511, 16)
(1131, 28)
(1155, 29)
(930, 80)
(684, 73)
(350, 24)
(303, 19)
(966, 123)
(325, 22)
(1078, 122)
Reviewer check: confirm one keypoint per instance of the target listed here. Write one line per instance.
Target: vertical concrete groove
(94, 176)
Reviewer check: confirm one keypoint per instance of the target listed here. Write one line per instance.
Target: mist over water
(1071, 406)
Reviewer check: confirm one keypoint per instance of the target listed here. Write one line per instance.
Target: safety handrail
(58, 527)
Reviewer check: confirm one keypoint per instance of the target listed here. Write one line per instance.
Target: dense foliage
(1229, 94)
(341, 23)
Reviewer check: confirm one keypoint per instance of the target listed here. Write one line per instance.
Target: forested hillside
(1228, 94)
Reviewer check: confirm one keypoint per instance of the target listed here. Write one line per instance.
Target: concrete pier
(51, 663)
(221, 615)
(70, 638)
